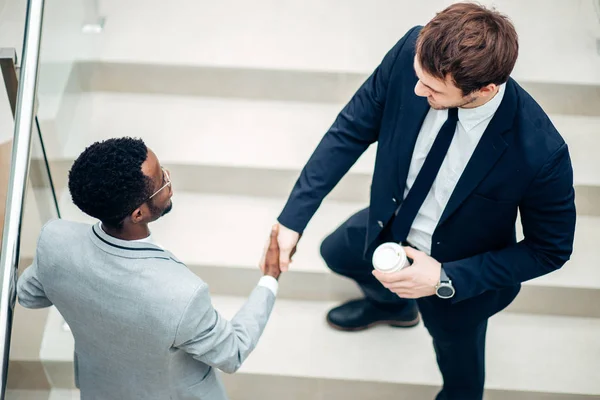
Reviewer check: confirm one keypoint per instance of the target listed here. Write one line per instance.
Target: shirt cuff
(270, 283)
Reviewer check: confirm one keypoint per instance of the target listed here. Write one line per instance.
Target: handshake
(421, 279)
(279, 250)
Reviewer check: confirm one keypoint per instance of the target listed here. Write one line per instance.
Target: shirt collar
(125, 248)
(128, 248)
(471, 117)
(147, 239)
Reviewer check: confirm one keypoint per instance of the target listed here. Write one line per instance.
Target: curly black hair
(106, 181)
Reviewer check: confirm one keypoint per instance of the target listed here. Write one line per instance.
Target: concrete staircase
(233, 97)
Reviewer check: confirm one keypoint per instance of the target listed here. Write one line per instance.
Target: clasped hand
(286, 240)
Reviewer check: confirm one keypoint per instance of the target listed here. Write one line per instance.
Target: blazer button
(380, 224)
(394, 200)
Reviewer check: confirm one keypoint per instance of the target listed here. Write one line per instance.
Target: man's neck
(128, 232)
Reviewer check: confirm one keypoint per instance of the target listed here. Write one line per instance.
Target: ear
(137, 215)
(488, 90)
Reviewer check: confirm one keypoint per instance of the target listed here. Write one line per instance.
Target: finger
(385, 277)
(268, 245)
(284, 260)
(292, 253)
(273, 244)
(288, 240)
(395, 286)
(404, 293)
(273, 252)
(379, 276)
(411, 252)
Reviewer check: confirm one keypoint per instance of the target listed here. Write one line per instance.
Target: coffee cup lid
(387, 256)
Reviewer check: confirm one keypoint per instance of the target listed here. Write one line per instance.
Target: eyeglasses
(167, 178)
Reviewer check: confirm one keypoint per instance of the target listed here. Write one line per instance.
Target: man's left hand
(416, 281)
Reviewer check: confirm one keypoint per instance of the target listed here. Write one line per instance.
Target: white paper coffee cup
(389, 257)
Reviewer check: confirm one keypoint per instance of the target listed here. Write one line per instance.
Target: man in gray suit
(143, 323)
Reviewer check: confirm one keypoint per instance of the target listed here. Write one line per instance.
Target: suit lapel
(407, 130)
(491, 146)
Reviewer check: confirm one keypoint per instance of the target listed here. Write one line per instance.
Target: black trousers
(458, 330)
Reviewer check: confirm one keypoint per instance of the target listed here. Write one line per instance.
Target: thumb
(288, 239)
(270, 244)
(411, 252)
(284, 259)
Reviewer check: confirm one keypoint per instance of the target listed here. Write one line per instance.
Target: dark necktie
(422, 185)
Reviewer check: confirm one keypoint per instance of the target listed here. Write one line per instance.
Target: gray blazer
(143, 323)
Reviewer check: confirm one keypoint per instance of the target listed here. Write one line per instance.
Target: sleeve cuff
(270, 283)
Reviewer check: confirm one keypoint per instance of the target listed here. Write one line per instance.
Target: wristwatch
(444, 289)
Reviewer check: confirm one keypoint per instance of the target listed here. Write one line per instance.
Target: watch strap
(443, 276)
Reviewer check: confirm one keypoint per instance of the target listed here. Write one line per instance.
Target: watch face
(445, 291)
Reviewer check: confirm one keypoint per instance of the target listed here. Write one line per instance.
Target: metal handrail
(8, 67)
(24, 120)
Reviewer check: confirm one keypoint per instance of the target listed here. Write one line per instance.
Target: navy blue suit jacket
(521, 164)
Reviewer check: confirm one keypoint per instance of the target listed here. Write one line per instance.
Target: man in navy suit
(462, 148)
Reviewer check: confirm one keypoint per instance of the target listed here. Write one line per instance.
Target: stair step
(32, 395)
(314, 35)
(217, 131)
(242, 133)
(528, 356)
(58, 394)
(207, 225)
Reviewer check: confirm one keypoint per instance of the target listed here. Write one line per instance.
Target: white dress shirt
(471, 125)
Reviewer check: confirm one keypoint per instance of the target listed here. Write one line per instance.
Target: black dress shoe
(358, 315)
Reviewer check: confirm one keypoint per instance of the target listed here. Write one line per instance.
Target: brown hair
(476, 46)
